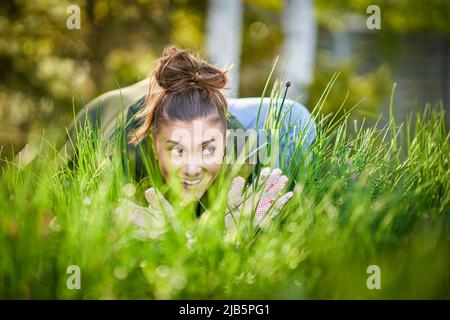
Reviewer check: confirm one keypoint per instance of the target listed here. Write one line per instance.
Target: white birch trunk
(223, 38)
(299, 48)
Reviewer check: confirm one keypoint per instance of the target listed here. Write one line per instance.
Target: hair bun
(179, 70)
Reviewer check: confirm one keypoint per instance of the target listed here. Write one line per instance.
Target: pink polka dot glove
(268, 198)
(157, 202)
(149, 221)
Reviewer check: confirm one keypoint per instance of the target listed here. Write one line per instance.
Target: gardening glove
(149, 221)
(157, 202)
(268, 198)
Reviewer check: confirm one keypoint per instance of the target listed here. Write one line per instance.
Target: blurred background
(46, 65)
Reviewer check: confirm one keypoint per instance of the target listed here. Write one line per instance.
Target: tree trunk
(299, 48)
(223, 38)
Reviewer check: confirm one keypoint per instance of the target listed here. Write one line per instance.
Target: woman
(181, 124)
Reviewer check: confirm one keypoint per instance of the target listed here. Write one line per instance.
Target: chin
(193, 194)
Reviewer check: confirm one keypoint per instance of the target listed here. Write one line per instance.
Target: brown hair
(182, 87)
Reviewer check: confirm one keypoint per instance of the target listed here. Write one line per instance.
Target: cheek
(163, 168)
(212, 169)
(165, 162)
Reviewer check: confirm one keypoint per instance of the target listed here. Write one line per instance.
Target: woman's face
(191, 152)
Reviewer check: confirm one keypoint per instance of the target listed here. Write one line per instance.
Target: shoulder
(132, 122)
(136, 106)
(233, 122)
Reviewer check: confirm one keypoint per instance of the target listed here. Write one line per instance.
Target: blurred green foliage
(358, 202)
(361, 201)
(44, 65)
(45, 68)
(363, 94)
(398, 16)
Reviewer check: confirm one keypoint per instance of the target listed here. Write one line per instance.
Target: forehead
(200, 129)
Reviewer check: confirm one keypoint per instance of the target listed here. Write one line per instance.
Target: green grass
(366, 196)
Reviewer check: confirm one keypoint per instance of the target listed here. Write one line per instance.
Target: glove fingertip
(237, 182)
(150, 195)
(276, 171)
(287, 197)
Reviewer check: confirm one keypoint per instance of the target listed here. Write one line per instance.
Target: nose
(192, 170)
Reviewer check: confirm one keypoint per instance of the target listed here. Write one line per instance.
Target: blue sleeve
(298, 118)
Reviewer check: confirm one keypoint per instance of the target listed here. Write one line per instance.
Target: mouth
(191, 183)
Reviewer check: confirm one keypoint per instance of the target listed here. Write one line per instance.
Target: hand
(150, 221)
(267, 199)
(156, 202)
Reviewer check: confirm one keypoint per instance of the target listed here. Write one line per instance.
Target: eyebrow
(208, 141)
(203, 143)
(172, 142)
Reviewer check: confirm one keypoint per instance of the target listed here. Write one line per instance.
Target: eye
(208, 150)
(176, 151)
